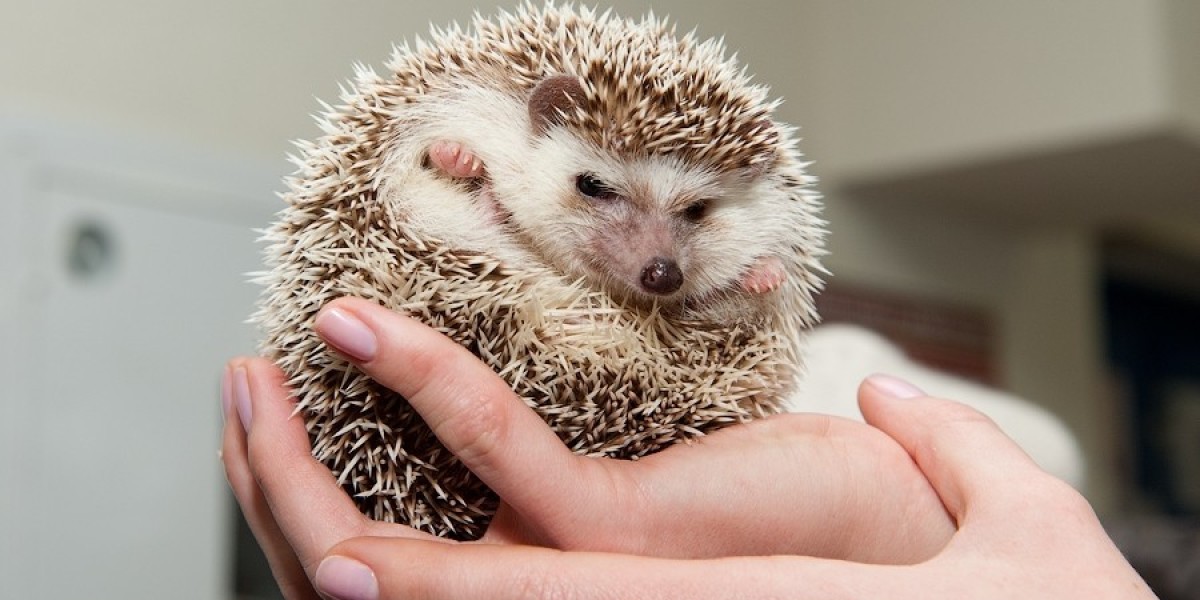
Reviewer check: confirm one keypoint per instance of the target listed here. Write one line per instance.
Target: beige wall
(227, 76)
(1183, 46)
(1052, 347)
(927, 82)
(242, 77)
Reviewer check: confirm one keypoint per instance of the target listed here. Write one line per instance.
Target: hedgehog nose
(662, 276)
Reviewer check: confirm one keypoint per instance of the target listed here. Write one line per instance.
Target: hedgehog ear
(552, 98)
(759, 167)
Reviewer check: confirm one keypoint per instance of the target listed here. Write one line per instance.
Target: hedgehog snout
(661, 276)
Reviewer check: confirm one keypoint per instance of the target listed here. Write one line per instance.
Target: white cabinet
(123, 292)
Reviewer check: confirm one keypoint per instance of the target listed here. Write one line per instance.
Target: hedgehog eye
(696, 210)
(591, 186)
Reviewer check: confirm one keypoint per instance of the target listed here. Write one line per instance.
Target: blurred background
(1013, 190)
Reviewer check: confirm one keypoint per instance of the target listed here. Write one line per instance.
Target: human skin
(740, 513)
(783, 485)
(1021, 534)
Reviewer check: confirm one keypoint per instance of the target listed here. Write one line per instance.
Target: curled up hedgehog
(602, 211)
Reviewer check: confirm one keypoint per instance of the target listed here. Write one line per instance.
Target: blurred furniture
(840, 356)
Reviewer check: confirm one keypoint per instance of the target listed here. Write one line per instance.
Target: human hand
(794, 484)
(1021, 534)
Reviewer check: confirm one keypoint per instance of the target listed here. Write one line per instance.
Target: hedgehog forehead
(628, 113)
(648, 91)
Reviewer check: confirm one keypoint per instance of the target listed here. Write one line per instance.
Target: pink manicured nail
(348, 334)
(241, 396)
(894, 387)
(344, 578)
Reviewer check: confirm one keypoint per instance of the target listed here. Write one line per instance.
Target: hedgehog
(603, 211)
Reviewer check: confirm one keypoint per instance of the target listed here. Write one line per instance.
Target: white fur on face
(491, 125)
(611, 241)
(607, 242)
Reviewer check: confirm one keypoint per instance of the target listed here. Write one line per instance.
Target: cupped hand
(807, 485)
(1021, 534)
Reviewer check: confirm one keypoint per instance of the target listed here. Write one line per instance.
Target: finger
(816, 486)
(285, 566)
(382, 568)
(471, 410)
(310, 508)
(966, 457)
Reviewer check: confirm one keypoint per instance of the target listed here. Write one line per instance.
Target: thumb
(965, 456)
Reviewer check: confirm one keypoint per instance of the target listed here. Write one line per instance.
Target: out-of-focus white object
(840, 356)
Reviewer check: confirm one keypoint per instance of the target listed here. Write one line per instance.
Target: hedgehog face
(652, 216)
(645, 228)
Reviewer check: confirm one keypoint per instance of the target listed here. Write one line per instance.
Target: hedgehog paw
(455, 160)
(765, 275)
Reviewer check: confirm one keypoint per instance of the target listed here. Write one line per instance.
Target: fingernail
(894, 387)
(348, 334)
(344, 578)
(241, 396)
(226, 393)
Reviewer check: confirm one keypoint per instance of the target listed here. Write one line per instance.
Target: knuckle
(787, 427)
(227, 461)
(629, 519)
(805, 425)
(410, 373)
(536, 583)
(955, 413)
(950, 420)
(236, 473)
(625, 512)
(473, 425)
(1058, 494)
(258, 460)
